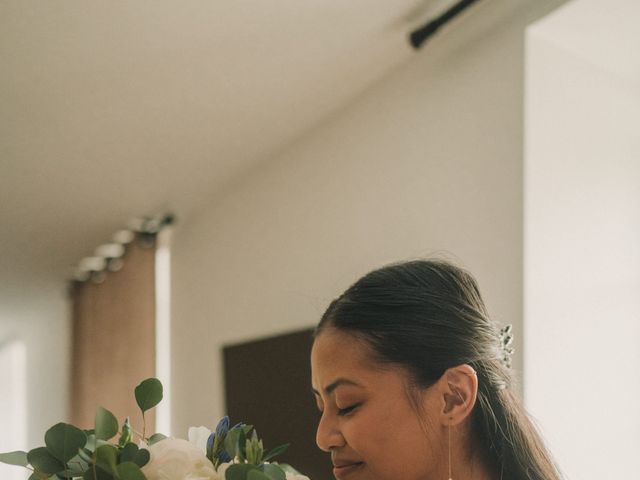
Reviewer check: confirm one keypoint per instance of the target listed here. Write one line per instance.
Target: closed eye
(345, 411)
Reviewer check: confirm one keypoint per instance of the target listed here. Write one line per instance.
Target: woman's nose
(328, 435)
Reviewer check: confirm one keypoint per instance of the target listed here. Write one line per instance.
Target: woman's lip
(341, 471)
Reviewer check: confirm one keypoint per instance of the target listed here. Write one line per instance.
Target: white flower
(221, 469)
(177, 459)
(295, 476)
(199, 436)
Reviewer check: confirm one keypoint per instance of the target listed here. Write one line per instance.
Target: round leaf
(41, 459)
(63, 441)
(130, 471)
(85, 455)
(257, 475)
(77, 468)
(156, 437)
(107, 457)
(238, 471)
(15, 458)
(148, 394)
(274, 472)
(142, 457)
(275, 452)
(231, 442)
(106, 424)
(99, 475)
(128, 452)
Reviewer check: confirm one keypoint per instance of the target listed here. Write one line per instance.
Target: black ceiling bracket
(422, 34)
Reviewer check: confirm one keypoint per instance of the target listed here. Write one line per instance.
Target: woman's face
(368, 421)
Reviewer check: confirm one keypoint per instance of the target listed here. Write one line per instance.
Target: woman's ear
(459, 389)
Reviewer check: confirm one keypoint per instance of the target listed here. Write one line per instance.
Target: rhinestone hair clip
(506, 348)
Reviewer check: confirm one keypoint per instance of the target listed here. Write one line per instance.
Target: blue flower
(223, 427)
(210, 442)
(223, 456)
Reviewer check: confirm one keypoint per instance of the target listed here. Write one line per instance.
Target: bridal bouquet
(227, 453)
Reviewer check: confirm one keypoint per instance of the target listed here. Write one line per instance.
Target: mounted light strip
(108, 257)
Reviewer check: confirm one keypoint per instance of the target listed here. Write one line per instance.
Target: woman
(413, 382)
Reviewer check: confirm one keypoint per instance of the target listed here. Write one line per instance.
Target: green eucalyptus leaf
(276, 451)
(18, 458)
(86, 455)
(63, 441)
(70, 473)
(142, 457)
(257, 475)
(91, 443)
(38, 475)
(128, 452)
(130, 471)
(238, 471)
(99, 475)
(73, 471)
(41, 459)
(231, 442)
(156, 437)
(100, 443)
(76, 466)
(288, 469)
(107, 459)
(148, 394)
(246, 429)
(242, 446)
(273, 471)
(106, 424)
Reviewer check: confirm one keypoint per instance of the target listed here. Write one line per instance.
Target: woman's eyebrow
(332, 386)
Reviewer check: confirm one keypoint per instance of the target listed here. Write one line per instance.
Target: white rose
(294, 476)
(199, 436)
(177, 459)
(221, 469)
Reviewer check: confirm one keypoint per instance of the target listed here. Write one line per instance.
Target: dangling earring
(449, 430)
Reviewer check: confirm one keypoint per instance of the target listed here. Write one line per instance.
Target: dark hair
(428, 316)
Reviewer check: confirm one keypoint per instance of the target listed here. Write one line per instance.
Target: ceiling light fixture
(109, 256)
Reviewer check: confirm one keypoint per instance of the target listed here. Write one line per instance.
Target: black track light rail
(422, 34)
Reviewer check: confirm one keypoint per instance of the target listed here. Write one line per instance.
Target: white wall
(13, 411)
(582, 276)
(428, 160)
(35, 315)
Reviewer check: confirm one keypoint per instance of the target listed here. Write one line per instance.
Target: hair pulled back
(428, 316)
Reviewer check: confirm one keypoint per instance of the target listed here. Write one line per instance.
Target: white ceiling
(116, 109)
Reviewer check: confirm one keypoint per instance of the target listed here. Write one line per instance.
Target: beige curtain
(114, 339)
